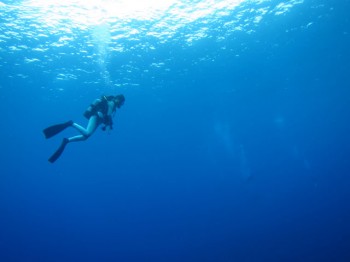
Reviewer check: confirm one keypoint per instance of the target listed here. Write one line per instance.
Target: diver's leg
(85, 132)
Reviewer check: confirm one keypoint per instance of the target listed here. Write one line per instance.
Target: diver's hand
(100, 115)
(104, 128)
(108, 120)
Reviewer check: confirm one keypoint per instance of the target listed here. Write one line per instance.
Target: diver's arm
(108, 121)
(110, 109)
(111, 106)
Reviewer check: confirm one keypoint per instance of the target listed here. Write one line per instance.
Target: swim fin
(55, 129)
(59, 151)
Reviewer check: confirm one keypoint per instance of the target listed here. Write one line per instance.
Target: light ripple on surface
(93, 33)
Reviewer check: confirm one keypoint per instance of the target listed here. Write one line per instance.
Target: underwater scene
(174, 130)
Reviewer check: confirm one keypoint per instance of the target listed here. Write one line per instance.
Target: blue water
(233, 143)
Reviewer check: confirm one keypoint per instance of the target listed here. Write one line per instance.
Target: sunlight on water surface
(89, 12)
(68, 39)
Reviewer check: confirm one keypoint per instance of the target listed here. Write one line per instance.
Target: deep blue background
(243, 158)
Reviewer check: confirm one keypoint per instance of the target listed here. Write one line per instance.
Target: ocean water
(232, 145)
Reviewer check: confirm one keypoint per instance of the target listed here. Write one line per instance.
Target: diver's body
(94, 121)
(100, 112)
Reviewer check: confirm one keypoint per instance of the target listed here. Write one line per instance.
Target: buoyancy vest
(99, 105)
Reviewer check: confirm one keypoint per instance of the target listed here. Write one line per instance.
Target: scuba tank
(93, 108)
(100, 104)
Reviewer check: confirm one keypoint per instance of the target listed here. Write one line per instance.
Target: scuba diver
(99, 112)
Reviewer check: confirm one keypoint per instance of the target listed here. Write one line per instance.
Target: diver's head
(119, 100)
